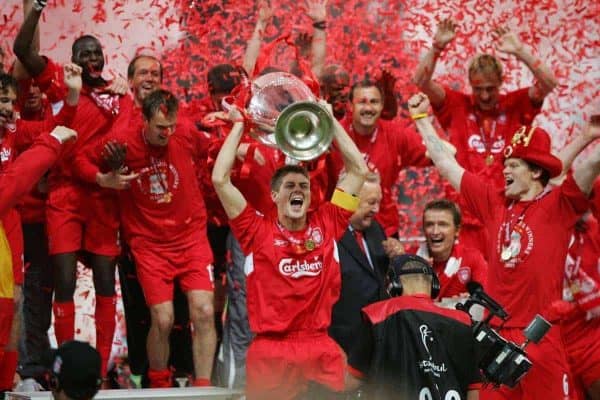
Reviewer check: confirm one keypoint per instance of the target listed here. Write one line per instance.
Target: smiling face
(146, 78)
(87, 53)
(440, 233)
(521, 181)
(368, 207)
(367, 104)
(8, 98)
(292, 200)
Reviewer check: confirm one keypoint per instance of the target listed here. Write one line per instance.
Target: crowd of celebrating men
(120, 173)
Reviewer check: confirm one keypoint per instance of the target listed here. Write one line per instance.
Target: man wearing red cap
(479, 125)
(529, 227)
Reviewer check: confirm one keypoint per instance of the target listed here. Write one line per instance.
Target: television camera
(502, 362)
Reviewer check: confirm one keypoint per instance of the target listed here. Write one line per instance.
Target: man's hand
(392, 247)
(38, 5)
(265, 12)
(63, 134)
(234, 115)
(115, 180)
(303, 42)
(216, 118)
(118, 86)
(418, 104)
(316, 10)
(507, 42)
(445, 33)
(114, 155)
(72, 76)
(591, 131)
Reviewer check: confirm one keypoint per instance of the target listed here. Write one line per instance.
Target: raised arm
(508, 42)
(445, 33)
(20, 176)
(354, 163)
(589, 168)
(26, 47)
(317, 11)
(253, 48)
(569, 152)
(231, 198)
(440, 154)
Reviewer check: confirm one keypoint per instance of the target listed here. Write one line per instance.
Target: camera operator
(409, 330)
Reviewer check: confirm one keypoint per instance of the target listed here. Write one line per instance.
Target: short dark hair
(80, 40)
(280, 173)
(222, 78)
(159, 100)
(447, 205)
(7, 81)
(545, 175)
(131, 66)
(365, 83)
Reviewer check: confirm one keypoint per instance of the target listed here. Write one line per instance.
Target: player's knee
(202, 312)
(163, 321)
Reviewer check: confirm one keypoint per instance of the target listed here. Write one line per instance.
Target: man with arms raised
(481, 124)
(529, 227)
(293, 275)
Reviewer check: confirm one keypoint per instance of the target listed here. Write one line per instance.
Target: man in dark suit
(364, 255)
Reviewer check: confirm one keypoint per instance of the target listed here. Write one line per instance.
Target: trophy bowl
(286, 115)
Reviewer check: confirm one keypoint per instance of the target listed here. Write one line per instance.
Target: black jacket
(361, 284)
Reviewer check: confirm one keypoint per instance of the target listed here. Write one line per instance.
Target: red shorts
(14, 234)
(81, 219)
(281, 367)
(548, 378)
(158, 267)
(582, 343)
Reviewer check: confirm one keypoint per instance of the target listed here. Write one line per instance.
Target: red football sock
(64, 321)
(8, 366)
(200, 382)
(159, 379)
(105, 327)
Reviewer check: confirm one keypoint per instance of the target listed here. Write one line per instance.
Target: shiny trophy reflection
(286, 115)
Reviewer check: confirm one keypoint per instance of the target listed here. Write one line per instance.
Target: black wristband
(322, 25)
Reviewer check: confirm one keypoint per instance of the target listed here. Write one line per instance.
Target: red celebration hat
(533, 145)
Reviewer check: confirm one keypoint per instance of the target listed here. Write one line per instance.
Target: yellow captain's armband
(346, 201)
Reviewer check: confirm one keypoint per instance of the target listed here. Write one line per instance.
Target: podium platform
(207, 393)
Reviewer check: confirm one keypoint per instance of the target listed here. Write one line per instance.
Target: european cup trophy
(285, 114)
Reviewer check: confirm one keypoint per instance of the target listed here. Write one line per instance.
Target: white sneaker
(29, 385)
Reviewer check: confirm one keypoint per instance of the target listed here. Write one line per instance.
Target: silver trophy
(286, 115)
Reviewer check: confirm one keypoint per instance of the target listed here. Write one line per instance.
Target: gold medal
(166, 198)
(309, 245)
(506, 254)
(489, 160)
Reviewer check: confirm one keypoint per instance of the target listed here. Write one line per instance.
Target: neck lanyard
(485, 138)
(299, 246)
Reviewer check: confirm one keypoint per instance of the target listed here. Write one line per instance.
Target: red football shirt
(537, 232)
(480, 137)
(164, 203)
(97, 112)
(394, 145)
(465, 264)
(290, 287)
